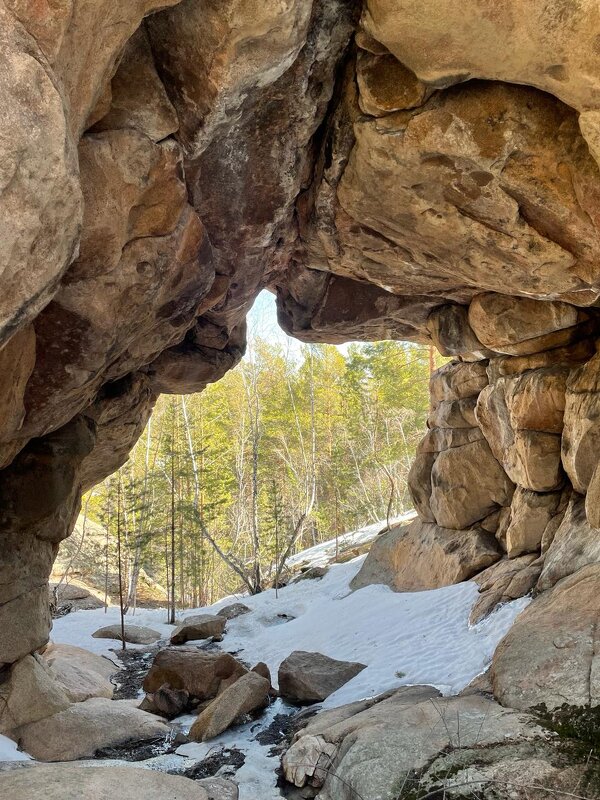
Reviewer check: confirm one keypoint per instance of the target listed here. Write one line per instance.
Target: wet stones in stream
(225, 762)
(135, 663)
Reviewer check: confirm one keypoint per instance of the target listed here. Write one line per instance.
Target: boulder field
(422, 171)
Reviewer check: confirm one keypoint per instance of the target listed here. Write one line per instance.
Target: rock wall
(510, 439)
(392, 169)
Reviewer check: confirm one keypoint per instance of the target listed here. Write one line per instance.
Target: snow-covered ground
(425, 636)
(403, 638)
(324, 553)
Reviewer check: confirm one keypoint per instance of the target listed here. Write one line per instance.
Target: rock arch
(398, 170)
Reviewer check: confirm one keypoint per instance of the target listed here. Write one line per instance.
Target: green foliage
(280, 454)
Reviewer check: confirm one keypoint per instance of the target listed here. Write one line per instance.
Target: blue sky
(262, 321)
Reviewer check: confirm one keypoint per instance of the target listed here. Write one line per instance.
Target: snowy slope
(425, 636)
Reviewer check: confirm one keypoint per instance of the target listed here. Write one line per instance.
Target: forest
(289, 449)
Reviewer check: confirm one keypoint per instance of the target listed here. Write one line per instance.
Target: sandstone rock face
(520, 326)
(31, 693)
(199, 626)
(40, 196)
(58, 781)
(530, 514)
(379, 190)
(522, 419)
(377, 746)
(550, 655)
(249, 693)
(521, 43)
(311, 677)
(581, 436)
(423, 556)
(83, 728)
(200, 673)
(467, 484)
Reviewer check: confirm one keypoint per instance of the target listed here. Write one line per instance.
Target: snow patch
(9, 751)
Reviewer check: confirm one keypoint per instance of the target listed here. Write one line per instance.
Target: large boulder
(369, 750)
(200, 673)
(311, 677)
(198, 626)
(60, 781)
(83, 728)
(249, 693)
(30, 693)
(82, 674)
(551, 654)
(423, 556)
(133, 634)
(519, 43)
(521, 417)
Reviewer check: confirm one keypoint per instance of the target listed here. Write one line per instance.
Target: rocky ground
(208, 718)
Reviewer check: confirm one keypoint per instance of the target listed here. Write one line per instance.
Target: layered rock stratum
(422, 171)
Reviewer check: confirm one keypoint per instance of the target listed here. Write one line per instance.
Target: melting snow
(403, 638)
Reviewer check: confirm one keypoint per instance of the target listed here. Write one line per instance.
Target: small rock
(199, 626)
(311, 677)
(262, 669)
(134, 634)
(248, 693)
(312, 574)
(166, 701)
(233, 610)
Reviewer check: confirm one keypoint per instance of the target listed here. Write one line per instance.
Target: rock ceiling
(406, 169)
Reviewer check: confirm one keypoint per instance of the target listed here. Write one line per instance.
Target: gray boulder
(311, 677)
(134, 634)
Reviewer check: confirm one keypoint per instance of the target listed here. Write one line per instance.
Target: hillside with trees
(288, 450)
